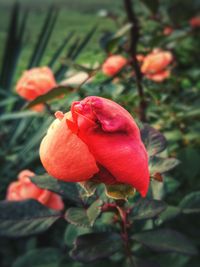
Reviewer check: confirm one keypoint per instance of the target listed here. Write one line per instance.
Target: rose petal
(114, 139)
(64, 155)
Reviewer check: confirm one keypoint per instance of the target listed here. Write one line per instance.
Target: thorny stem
(134, 37)
(123, 214)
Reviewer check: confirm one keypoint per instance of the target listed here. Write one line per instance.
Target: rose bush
(36, 82)
(25, 189)
(155, 65)
(97, 139)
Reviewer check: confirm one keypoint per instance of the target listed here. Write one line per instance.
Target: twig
(134, 37)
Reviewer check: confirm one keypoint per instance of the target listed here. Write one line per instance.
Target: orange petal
(64, 155)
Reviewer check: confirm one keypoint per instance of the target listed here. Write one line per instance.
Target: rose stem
(134, 37)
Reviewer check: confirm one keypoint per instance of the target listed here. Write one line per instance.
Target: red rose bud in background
(36, 82)
(113, 64)
(98, 140)
(168, 30)
(25, 189)
(155, 65)
(195, 22)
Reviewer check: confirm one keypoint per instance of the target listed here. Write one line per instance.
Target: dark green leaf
(60, 49)
(191, 203)
(42, 257)
(168, 214)
(161, 165)
(25, 218)
(112, 41)
(146, 209)
(143, 263)
(54, 93)
(84, 217)
(44, 36)
(65, 189)
(72, 231)
(153, 140)
(166, 240)
(152, 5)
(94, 246)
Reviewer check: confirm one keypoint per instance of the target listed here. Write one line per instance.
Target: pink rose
(97, 140)
(25, 189)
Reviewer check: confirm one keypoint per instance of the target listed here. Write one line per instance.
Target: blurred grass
(78, 16)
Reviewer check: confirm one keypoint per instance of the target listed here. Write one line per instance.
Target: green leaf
(119, 191)
(143, 263)
(65, 189)
(59, 50)
(89, 187)
(146, 209)
(54, 93)
(25, 218)
(169, 213)
(166, 240)
(161, 165)
(18, 115)
(42, 257)
(152, 5)
(72, 231)
(171, 185)
(112, 41)
(43, 37)
(95, 246)
(191, 203)
(84, 217)
(153, 140)
(190, 159)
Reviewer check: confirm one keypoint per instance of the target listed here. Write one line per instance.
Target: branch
(134, 37)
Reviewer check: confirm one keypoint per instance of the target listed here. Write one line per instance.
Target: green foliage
(153, 140)
(46, 257)
(82, 216)
(90, 247)
(146, 209)
(25, 218)
(166, 240)
(66, 190)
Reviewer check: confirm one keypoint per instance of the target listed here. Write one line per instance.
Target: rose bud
(97, 140)
(195, 22)
(36, 82)
(25, 189)
(168, 30)
(113, 65)
(155, 65)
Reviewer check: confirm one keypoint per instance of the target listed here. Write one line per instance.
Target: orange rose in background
(36, 82)
(25, 189)
(113, 65)
(98, 139)
(195, 22)
(155, 65)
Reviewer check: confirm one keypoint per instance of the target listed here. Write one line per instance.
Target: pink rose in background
(113, 64)
(155, 65)
(98, 139)
(25, 189)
